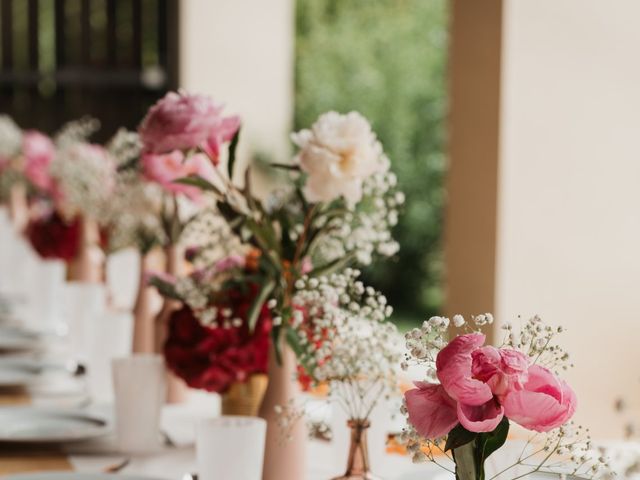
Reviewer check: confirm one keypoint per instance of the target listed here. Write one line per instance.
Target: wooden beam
(472, 182)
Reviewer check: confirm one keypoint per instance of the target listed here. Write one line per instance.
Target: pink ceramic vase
(18, 206)
(285, 452)
(145, 311)
(88, 264)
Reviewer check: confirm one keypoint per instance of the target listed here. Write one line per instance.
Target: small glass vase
(358, 467)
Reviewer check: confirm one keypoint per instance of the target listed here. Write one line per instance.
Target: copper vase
(358, 467)
(88, 264)
(18, 206)
(176, 388)
(144, 311)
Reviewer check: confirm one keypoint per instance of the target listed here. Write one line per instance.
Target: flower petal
(431, 411)
(545, 404)
(480, 418)
(543, 380)
(454, 370)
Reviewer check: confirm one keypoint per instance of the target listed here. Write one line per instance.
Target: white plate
(19, 372)
(38, 425)
(16, 339)
(71, 476)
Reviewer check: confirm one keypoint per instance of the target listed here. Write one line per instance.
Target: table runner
(20, 458)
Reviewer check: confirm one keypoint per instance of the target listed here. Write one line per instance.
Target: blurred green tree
(387, 59)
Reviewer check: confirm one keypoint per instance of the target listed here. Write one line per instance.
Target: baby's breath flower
(346, 339)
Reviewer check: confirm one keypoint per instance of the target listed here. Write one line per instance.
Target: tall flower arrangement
(473, 394)
(334, 209)
(345, 342)
(65, 182)
(52, 233)
(82, 181)
(210, 345)
(133, 213)
(133, 218)
(181, 136)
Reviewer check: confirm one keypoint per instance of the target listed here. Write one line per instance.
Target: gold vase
(358, 467)
(245, 398)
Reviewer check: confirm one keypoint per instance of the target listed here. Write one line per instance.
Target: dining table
(175, 460)
(18, 458)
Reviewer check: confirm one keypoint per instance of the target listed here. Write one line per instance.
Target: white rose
(338, 153)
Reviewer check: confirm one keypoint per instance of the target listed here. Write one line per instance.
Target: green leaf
(285, 166)
(232, 153)
(275, 338)
(470, 450)
(166, 289)
(333, 266)
(458, 437)
(492, 441)
(293, 339)
(256, 306)
(198, 181)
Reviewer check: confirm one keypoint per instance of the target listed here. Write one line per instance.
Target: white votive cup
(140, 389)
(230, 448)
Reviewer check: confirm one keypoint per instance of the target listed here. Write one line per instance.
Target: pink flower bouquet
(184, 121)
(475, 391)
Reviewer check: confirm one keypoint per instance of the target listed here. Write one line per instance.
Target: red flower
(305, 375)
(52, 237)
(213, 358)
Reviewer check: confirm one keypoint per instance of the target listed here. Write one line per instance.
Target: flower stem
(466, 464)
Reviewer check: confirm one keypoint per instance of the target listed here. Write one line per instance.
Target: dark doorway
(64, 59)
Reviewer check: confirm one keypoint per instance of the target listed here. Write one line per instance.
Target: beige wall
(569, 202)
(241, 53)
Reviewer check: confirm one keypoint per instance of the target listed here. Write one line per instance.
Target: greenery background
(387, 59)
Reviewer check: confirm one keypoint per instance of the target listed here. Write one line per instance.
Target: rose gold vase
(88, 265)
(245, 398)
(358, 463)
(18, 206)
(176, 388)
(284, 458)
(145, 311)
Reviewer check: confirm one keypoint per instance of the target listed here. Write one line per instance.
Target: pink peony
(545, 403)
(181, 121)
(39, 151)
(165, 169)
(431, 410)
(482, 384)
(503, 370)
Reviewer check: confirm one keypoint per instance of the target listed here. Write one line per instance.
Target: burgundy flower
(53, 237)
(213, 358)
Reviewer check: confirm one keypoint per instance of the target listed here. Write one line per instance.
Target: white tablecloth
(325, 459)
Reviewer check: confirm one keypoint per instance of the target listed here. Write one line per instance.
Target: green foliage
(471, 450)
(386, 59)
